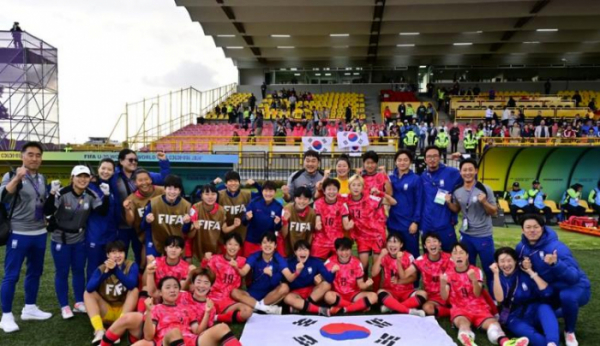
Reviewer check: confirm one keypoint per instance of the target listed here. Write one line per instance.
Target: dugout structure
(28, 91)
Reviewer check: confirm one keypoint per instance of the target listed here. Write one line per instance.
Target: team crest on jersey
(524, 286)
(86, 206)
(170, 219)
(405, 187)
(542, 254)
(310, 270)
(442, 182)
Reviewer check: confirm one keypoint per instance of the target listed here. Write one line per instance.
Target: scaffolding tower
(28, 91)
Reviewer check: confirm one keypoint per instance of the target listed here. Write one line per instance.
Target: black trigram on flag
(387, 339)
(378, 322)
(305, 340)
(304, 322)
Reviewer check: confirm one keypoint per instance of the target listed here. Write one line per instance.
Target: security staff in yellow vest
(165, 215)
(411, 140)
(441, 141)
(470, 144)
(570, 201)
(441, 95)
(231, 114)
(112, 289)
(594, 199)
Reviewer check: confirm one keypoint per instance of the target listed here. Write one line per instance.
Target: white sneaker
(66, 312)
(273, 309)
(570, 339)
(384, 309)
(33, 313)
(79, 308)
(98, 337)
(7, 324)
(416, 312)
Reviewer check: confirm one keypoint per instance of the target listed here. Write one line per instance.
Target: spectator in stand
(547, 87)
(410, 112)
(569, 133)
(402, 111)
(542, 131)
(538, 119)
(576, 98)
(430, 88)
(489, 114)
(387, 114)
(422, 135)
(348, 114)
(235, 138)
(528, 131)
(515, 131)
(592, 105)
(476, 90)
(550, 123)
(506, 115)
(263, 89)
(431, 134)
(521, 117)
(512, 119)
(421, 112)
(511, 102)
(258, 124)
(492, 94)
(454, 138)
(430, 113)
(252, 101)
(292, 99)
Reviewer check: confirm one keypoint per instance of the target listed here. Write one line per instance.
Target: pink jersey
(227, 277)
(363, 213)
(331, 220)
(196, 308)
(168, 317)
(431, 271)
(163, 269)
(345, 281)
(377, 180)
(389, 266)
(461, 290)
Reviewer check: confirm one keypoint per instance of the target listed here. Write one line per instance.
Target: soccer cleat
(334, 310)
(466, 339)
(33, 313)
(273, 309)
(384, 309)
(79, 308)
(323, 311)
(416, 312)
(570, 339)
(517, 342)
(98, 335)
(7, 324)
(66, 313)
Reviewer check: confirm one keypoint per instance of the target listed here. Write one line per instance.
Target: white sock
(8, 316)
(29, 306)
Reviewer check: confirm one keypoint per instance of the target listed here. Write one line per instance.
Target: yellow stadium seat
(504, 205)
(584, 204)
(553, 206)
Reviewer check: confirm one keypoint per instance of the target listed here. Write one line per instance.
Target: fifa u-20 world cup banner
(387, 330)
(319, 144)
(347, 139)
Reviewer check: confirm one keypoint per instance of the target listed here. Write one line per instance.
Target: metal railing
(159, 116)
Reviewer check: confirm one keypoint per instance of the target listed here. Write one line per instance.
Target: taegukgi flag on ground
(320, 144)
(350, 138)
(386, 330)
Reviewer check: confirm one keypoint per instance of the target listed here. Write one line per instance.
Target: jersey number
(329, 221)
(464, 292)
(228, 279)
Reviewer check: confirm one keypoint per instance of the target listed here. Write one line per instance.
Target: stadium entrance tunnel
(556, 168)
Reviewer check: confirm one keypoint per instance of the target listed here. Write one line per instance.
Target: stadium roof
(392, 33)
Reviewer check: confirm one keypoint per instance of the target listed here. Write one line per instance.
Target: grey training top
(303, 178)
(25, 218)
(479, 222)
(72, 212)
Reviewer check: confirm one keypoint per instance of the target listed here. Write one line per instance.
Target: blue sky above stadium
(113, 51)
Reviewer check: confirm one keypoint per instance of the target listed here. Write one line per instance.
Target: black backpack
(5, 215)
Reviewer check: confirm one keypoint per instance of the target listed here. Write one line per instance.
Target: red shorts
(401, 295)
(250, 248)
(189, 339)
(304, 292)
(350, 296)
(281, 246)
(322, 252)
(475, 316)
(370, 245)
(221, 304)
(436, 298)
